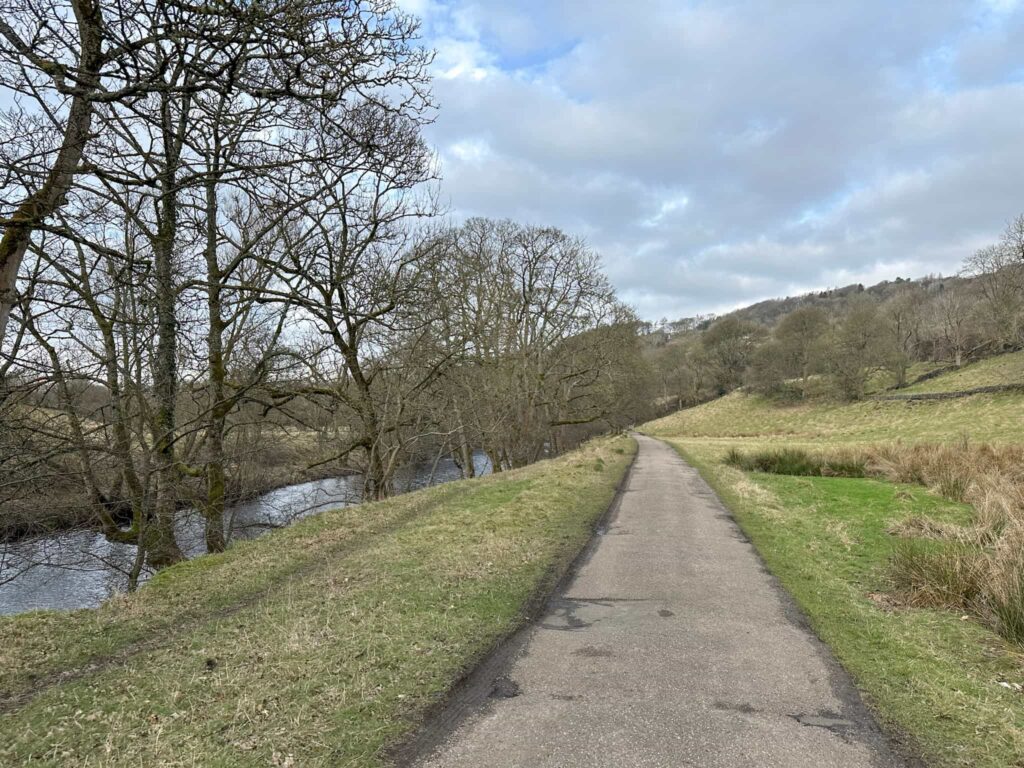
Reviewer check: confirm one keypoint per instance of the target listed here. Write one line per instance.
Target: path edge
(472, 690)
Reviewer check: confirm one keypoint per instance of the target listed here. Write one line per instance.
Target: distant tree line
(834, 343)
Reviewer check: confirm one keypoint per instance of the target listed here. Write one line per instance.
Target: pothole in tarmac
(830, 721)
(592, 652)
(504, 688)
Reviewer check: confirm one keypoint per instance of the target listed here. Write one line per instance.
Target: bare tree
(199, 122)
(800, 335)
(952, 315)
(729, 344)
(901, 320)
(856, 348)
(545, 342)
(62, 68)
(357, 268)
(998, 271)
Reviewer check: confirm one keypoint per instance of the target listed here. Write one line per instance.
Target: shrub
(1008, 609)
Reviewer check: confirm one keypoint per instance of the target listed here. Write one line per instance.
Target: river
(81, 568)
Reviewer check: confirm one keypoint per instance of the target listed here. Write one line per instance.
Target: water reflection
(81, 569)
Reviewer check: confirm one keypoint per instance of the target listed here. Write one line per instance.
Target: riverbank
(64, 506)
(82, 568)
(320, 644)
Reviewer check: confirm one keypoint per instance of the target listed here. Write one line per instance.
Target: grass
(990, 418)
(997, 418)
(930, 675)
(321, 644)
(993, 371)
(799, 462)
(976, 567)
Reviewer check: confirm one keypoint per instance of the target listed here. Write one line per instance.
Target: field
(993, 418)
(947, 682)
(1004, 369)
(320, 644)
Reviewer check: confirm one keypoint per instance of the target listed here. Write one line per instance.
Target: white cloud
(722, 152)
(667, 208)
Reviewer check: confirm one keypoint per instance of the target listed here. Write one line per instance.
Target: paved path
(673, 647)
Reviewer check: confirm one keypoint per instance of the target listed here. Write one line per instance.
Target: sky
(718, 153)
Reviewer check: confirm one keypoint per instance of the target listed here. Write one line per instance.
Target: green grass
(881, 381)
(988, 418)
(929, 675)
(797, 461)
(1002, 369)
(319, 645)
(997, 418)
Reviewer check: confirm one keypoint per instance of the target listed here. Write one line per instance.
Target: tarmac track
(672, 647)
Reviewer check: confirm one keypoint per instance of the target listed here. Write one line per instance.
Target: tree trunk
(119, 426)
(218, 407)
(495, 455)
(215, 491)
(465, 452)
(163, 549)
(375, 484)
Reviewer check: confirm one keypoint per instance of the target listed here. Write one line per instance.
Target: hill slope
(832, 300)
(997, 417)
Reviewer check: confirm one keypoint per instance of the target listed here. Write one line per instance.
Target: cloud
(718, 153)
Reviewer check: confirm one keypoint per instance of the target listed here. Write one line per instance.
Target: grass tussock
(937, 574)
(977, 567)
(796, 461)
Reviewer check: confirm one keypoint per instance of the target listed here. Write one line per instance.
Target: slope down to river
(319, 644)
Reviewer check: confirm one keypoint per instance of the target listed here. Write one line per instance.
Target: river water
(81, 569)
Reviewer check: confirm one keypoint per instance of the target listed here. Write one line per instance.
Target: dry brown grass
(976, 568)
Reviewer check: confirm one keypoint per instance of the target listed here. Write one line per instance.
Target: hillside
(996, 417)
(994, 371)
(832, 300)
(836, 300)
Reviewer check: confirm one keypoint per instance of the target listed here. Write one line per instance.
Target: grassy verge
(318, 645)
(945, 682)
